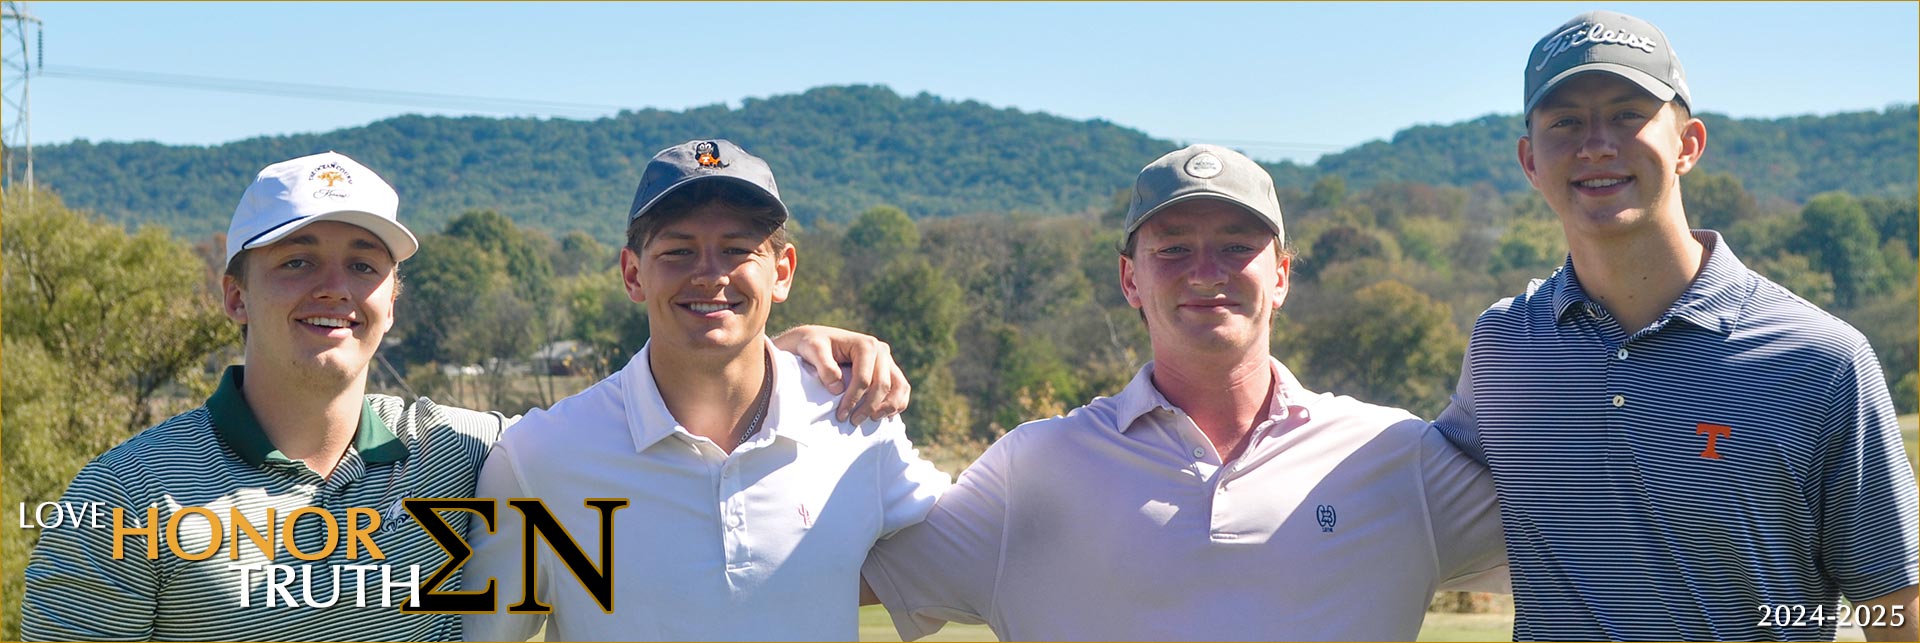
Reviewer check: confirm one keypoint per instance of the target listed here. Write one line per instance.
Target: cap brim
(1659, 88)
(1192, 196)
(400, 241)
(751, 186)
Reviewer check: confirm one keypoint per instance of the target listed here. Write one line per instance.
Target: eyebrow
(684, 236)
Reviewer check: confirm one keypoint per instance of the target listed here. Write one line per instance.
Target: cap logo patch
(708, 155)
(1592, 33)
(337, 179)
(1204, 166)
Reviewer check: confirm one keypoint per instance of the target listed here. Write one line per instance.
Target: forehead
(1202, 216)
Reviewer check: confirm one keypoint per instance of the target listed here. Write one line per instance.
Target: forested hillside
(841, 150)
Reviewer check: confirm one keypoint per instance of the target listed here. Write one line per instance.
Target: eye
(1565, 121)
(364, 268)
(1171, 251)
(1239, 248)
(295, 263)
(676, 252)
(1631, 114)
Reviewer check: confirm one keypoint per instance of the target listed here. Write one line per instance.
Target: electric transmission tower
(22, 37)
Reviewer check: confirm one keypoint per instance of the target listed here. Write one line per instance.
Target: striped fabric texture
(1740, 453)
(76, 590)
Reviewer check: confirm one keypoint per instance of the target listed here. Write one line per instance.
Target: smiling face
(316, 303)
(1207, 275)
(709, 279)
(1608, 157)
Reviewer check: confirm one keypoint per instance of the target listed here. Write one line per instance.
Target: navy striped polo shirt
(1740, 453)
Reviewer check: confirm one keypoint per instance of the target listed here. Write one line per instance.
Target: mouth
(329, 324)
(709, 308)
(1211, 305)
(1602, 185)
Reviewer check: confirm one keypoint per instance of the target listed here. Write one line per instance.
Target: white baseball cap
(290, 195)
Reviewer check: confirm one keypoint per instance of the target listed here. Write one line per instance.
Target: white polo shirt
(763, 544)
(1120, 522)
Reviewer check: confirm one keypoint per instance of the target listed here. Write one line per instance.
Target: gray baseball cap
(699, 160)
(1204, 172)
(1606, 41)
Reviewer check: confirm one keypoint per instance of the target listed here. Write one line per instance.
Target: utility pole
(22, 58)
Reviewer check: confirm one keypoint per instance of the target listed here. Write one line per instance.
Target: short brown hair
(765, 215)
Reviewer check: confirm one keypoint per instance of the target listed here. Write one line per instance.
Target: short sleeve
(1867, 507)
(1468, 544)
(908, 483)
(498, 555)
(945, 568)
(75, 589)
(1458, 422)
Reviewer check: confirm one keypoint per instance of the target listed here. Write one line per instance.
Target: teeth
(708, 308)
(1601, 183)
(329, 322)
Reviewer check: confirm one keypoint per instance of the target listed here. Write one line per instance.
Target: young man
(312, 275)
(1683, 449)
(1215, 498)
(751, 506)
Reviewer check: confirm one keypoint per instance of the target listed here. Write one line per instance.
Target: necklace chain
(760, 406)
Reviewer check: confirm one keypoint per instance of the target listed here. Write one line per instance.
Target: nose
(1208, 272)
(711, 271)
(334, 283)
(1599, 142)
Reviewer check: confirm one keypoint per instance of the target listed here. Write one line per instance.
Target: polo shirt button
(1621, 354)
(1619, 401)
(1199, 452)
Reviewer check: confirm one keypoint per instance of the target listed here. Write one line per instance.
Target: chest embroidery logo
(1326, 516)
(1713, 432)
(806, 518)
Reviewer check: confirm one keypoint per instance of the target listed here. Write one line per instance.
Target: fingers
(861, 388)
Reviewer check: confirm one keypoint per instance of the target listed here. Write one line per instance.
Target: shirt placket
(729, 490)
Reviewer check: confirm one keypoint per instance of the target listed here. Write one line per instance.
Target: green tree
(1716, 201)
(1841, 240)
(1390, 345)
(105, 331)
(1328, 192)
(916, 309)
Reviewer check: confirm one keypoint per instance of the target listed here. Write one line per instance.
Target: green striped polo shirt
(218, 458)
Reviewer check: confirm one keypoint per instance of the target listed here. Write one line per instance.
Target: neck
(310, 421)
(1225, 398)
(713, 396)
(1638, 277)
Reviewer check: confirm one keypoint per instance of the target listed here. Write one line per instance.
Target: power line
(328, 92)
(460, 102)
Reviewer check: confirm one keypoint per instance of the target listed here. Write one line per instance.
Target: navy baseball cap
(702, 160)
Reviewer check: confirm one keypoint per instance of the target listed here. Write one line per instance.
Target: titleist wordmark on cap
(1605, 41)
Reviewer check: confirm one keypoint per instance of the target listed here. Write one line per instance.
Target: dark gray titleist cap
(1606, 41)
(699, 160)
(1204, 172)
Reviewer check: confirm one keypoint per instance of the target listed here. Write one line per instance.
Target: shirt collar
(233, 418)
(649, 421)
(1140, 397)
(1713, 301)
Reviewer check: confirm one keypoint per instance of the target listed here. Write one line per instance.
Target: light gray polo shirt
(1120, 522)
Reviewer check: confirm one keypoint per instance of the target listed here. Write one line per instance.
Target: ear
(1525, 152)
(784, 264)
(1127, 286)
(233, 298)
(1284, 279)
(1693, 145)
(630, 276)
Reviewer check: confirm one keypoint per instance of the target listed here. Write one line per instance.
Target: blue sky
(1277, 80)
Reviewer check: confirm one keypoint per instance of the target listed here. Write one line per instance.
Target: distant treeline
(839, 151)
